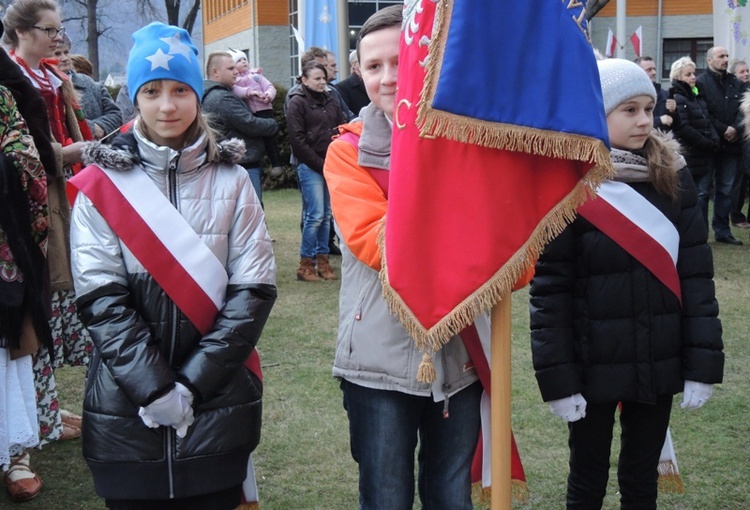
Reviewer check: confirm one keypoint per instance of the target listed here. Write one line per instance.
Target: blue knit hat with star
(163, 52)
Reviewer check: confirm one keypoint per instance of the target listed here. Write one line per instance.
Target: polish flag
(637, 40)
(611, 44)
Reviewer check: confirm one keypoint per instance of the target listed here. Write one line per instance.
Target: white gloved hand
(571, 408)
(171, 410)
(696, 394)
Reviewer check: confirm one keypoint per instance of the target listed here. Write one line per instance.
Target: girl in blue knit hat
(175, 277)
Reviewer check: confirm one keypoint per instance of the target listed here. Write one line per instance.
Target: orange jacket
(358, 203)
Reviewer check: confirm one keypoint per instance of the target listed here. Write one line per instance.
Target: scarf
(32, 107)
(24, 290)
(629, 166)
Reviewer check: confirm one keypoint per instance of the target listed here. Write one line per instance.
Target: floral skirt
(71, 339)
(47, 406)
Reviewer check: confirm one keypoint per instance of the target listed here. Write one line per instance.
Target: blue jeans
(316, 212)
(255, 177)
(726, 167)
(384, 427)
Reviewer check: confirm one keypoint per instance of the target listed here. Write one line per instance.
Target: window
(359, 11)
(694, 48)
(293, 46)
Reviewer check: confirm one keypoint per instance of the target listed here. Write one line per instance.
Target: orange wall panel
(272, 12)
(227, 25)
(651, 8)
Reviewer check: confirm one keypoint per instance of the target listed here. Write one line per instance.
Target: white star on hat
(177, 47)
(159, 59)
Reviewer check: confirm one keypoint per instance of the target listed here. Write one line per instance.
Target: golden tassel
(669, 479)
(249, 506)
(426, 372)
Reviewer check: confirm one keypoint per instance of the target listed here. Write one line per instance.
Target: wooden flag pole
(500, 404)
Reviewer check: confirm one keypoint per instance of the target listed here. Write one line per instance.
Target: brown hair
(198, 127)
(22, 14)
(82, 65)
(308, 68)
(311, 54)
(391, 16)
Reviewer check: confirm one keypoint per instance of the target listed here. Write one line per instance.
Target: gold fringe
(669, 479)
(437, 123)
(249, 506)
(483, 495)
(426, 372)
(489, 294)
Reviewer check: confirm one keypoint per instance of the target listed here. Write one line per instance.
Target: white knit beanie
(622, 80)
(237, 55)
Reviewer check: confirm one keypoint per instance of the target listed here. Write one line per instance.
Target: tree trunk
(92, 37)
(173, 12)
(191, 17)
(594, 6)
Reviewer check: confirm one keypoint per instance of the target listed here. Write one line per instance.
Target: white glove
(172, 410)
(571, 408)
(696, 394)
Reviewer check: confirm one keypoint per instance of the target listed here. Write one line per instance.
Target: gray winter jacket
(374, 349)
(144, 344)
(234, 119)
(97, 104)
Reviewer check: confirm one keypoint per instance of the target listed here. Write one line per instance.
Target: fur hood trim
(670, 148)
(122, 155)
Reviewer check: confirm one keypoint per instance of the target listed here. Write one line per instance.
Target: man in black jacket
(352, 89)
(723, 93)
(233, 117)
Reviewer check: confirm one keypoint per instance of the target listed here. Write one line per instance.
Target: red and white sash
(160, 238)
(637, 226)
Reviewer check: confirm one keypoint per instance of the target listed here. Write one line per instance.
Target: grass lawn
(303, 461)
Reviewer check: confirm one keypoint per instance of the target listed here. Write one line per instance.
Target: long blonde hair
(663, 157)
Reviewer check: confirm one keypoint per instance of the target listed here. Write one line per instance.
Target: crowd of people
(161, 277)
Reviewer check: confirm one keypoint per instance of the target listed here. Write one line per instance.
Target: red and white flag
(637, 40)
(612, 44)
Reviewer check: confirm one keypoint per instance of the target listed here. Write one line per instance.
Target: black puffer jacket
(312, 119)
(604, 326)
(695, 131)
(144, 343)
(723, 94)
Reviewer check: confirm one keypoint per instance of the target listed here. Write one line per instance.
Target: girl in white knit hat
(623, 309)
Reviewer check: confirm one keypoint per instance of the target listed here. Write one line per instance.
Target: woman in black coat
(695, 131)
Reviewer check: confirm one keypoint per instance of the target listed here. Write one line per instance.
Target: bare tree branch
(593, 7)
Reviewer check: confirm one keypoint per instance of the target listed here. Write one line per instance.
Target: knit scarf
(629, 166)
(23, 232)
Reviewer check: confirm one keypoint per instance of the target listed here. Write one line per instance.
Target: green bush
(288, 179)
(113, 91)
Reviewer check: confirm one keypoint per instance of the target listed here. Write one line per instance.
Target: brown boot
(324, 268)
(306, 271)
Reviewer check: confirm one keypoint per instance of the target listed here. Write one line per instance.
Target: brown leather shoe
(69, 432)
(22, 483)
(71, 419)
(306, 271)
(324, 268)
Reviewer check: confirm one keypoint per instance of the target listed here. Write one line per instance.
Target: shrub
(288, 179)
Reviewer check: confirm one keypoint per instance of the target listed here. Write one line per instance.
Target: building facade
(260, 28)
(671, 29)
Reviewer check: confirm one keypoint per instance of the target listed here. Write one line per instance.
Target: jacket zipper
(171, 437)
